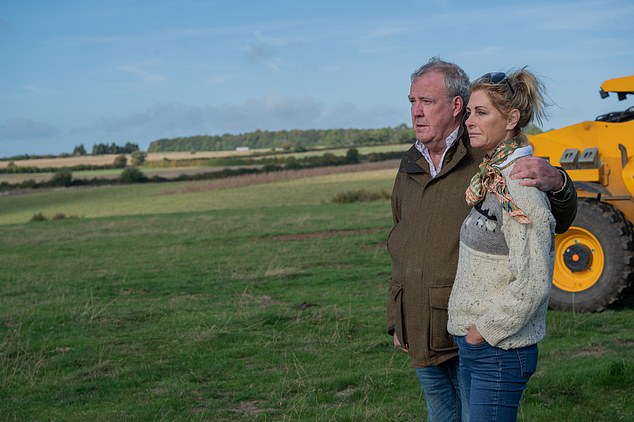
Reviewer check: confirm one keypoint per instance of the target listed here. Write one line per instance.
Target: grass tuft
(361, 195)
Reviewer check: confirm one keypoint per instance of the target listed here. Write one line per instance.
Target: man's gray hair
(456, 80)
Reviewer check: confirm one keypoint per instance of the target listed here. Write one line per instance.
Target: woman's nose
(469, 121)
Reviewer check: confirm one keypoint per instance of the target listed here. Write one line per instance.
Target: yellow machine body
(599, 157)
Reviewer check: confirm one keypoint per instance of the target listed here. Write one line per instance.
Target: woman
(497, 307)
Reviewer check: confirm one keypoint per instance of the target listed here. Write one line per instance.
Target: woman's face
(487, 127)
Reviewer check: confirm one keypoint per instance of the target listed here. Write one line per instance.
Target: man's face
(434, 116)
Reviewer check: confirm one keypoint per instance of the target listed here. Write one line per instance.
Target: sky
(86, 72)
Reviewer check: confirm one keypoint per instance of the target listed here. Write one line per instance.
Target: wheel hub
(577, 257)
(579, 261)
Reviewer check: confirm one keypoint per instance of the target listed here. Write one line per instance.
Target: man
(428, 207)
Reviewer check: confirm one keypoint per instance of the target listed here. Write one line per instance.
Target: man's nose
(417, 109)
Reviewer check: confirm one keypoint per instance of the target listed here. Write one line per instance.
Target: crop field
(107, 159)
(240, 300)
(179, 163)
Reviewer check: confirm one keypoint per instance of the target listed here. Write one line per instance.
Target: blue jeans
(494, 379)
(443, 391)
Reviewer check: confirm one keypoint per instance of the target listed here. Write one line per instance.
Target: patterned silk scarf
(489, 179)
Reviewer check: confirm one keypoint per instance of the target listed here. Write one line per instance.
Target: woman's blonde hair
(521, 90)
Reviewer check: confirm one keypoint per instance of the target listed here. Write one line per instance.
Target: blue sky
(86, 72)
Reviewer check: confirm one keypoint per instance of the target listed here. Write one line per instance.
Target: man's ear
(458, 106)
(512, 119)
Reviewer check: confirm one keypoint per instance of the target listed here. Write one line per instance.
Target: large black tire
(593, 259)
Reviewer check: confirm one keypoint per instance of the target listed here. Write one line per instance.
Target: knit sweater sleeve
(530, 263)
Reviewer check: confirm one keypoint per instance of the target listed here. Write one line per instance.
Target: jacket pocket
(439, 340)
(396, 296)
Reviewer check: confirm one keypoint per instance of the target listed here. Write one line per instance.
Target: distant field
(305, 187)
(97, 160)
(102, 160)
(167, 172)
(342, 151)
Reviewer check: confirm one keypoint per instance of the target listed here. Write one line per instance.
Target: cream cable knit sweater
(504, 270)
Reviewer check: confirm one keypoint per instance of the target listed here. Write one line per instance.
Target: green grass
(152, 198)
(270, 307)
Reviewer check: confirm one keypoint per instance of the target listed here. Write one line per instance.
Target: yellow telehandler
(594, 263)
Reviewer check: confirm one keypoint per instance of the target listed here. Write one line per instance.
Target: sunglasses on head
(498, 78)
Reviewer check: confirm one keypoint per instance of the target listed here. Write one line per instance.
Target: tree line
(291, 140)
(105, 149)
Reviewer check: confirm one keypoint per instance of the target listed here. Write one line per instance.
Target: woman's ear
(512, 119)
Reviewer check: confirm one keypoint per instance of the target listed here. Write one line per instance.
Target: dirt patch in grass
(594, 351)
(250, 408)
(277, 176)
(249, 299)
(346, 392)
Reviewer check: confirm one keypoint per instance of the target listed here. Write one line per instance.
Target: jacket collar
(413, 161)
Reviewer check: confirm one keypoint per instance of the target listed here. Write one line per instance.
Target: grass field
(266, 302)
(149, 199)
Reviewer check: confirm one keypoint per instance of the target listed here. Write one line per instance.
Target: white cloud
(140, 70)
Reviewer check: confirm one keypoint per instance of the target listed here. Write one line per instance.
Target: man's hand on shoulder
(537, 172)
